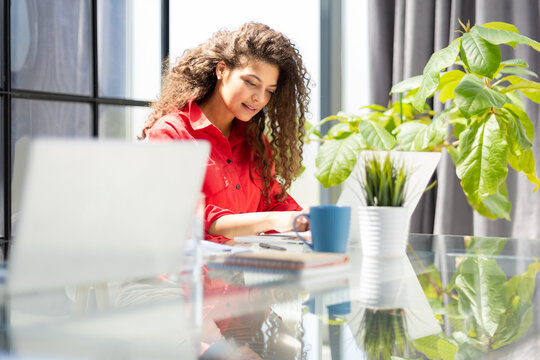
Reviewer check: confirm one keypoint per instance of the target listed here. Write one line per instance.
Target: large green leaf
(530, 89)
(407, 85)
(516, 99)
(495, 206)
(502, 26)
(479, 55)
(448, 83)
(480, 288)
(473, 97)
(374, 107)
(432, 135)
(375, 136)
(482, 160)
(523, 119)
(440, 59)
(513, 325)
(497, 37)
(336, 159)
(521, 287)
(516, 136)
(406, 132)
(436, 347)
(519, 291)
(515, 62)
(517, 71)
(311, 130)
(339, 131)
(498, 206)
(499, 25)
(527, 164)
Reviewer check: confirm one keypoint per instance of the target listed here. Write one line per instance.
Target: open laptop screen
(94, 210)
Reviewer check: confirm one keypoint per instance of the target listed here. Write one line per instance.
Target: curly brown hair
(282, 120)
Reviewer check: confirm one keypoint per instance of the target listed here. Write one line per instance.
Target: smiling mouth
(249, 108)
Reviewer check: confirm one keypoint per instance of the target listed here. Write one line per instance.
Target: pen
(273, 247)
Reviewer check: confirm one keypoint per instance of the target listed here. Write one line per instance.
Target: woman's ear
(220, 69)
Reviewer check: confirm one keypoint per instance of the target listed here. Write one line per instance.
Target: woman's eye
(271, 92)
(250, 83)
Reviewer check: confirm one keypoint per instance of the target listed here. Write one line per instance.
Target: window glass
(129, 48)
(124, 122)
(300, 23)
(33, 118)
(355, 85)
(51, 46)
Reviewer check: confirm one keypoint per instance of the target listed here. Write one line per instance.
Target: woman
(246, 92)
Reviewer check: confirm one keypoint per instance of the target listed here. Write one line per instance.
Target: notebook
(98, 210)
(284, 262)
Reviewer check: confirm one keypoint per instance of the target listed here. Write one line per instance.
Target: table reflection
(389, 309)
(468, 302)
(475, 299)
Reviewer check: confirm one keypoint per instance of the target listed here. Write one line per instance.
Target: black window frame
(8, 93)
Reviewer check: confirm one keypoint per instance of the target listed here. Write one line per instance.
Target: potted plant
(383, 219)
(370, 168)
(484, 128)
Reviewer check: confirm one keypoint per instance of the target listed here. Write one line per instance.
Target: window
(356, 59)
(89, 68)
(63, 26)
(121, 122)
(129, 49)
(76, 68)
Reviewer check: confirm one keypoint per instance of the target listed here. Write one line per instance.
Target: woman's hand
(255, 223)
(302, 224)
(285, 220)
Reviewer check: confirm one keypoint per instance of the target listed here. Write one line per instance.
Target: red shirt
(231, 185)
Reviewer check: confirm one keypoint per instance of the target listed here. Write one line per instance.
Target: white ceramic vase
(384, 230)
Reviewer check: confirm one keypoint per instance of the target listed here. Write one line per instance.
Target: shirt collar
(197, 118)
(199, 121)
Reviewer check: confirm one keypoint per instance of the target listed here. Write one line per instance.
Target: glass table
(448, 297)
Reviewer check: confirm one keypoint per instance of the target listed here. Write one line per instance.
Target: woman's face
(246, 90)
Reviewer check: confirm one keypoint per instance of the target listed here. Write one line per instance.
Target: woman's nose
(256, 97)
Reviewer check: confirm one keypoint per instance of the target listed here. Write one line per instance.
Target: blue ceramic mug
(329, 225)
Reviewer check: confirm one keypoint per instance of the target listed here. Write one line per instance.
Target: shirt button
(229, 161)
(238, 187)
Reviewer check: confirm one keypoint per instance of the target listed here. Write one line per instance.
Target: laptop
(103, 210)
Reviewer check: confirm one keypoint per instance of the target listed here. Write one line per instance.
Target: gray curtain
(404, 34)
